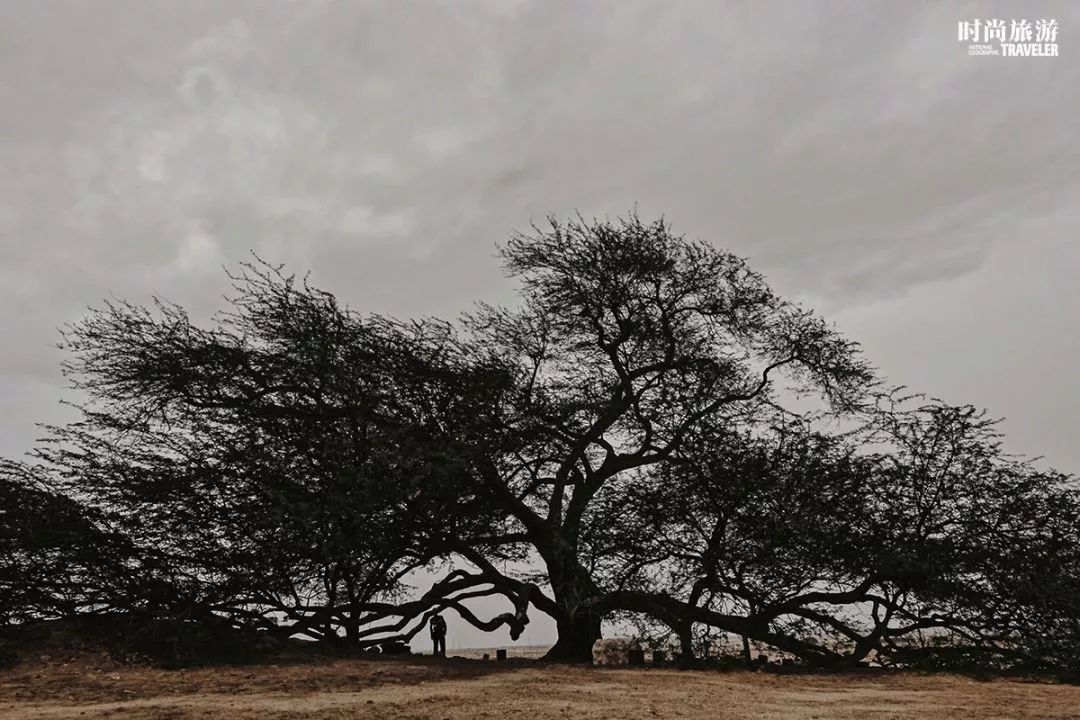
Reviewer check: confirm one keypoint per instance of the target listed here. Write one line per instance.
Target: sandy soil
(424, 688)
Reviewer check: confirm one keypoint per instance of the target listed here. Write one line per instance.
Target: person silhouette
(438, 636)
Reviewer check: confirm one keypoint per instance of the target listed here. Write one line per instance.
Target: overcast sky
(917, 196)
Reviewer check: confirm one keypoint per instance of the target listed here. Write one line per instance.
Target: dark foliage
(627, 431)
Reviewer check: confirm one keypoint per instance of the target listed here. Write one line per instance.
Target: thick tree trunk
(579, 629)
(577, 634)
(686, 644)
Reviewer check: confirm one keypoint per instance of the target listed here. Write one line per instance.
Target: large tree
(627, 432)
(628, 338)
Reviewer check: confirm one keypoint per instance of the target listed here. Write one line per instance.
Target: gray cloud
(852, 150)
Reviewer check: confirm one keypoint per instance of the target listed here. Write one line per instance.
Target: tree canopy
(634, 432)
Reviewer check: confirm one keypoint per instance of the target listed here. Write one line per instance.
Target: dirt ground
(89, 688)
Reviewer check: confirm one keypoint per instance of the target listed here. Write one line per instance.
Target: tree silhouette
(626, 432)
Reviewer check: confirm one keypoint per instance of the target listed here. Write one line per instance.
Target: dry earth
(89, 688)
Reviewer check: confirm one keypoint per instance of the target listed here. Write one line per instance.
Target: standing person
(438, 636)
